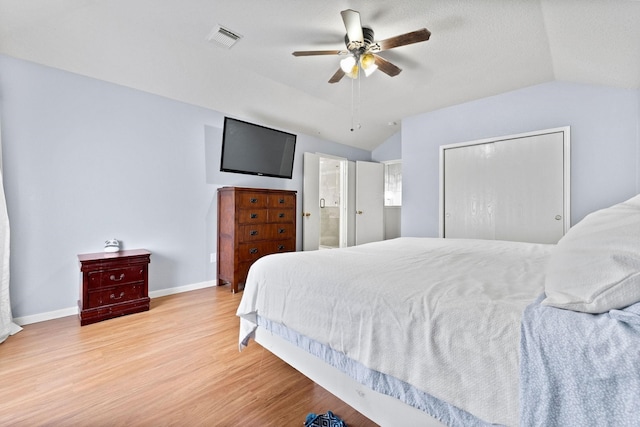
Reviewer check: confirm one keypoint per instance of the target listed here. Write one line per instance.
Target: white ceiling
(477, 49)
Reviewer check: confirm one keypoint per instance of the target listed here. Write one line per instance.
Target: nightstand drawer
(116, 276)
(119, 294)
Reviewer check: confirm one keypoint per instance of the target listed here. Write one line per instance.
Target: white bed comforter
(440, 314)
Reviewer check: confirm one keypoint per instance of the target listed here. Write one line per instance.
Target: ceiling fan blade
(352, 23)
(337, 76)
(405, 39)
(319, 52)
(386, 67)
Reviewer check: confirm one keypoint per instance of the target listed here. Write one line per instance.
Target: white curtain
(7, 327)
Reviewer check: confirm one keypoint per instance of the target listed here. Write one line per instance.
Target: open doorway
(324, 202)
(331, 204)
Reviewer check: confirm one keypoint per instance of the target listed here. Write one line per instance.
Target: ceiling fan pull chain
(352, 104)
(358, 124)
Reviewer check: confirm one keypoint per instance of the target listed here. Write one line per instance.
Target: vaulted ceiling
(477, 49)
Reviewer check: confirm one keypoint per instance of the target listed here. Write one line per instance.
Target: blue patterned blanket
(579, 369)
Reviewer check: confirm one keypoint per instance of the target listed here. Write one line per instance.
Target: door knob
(558, 217)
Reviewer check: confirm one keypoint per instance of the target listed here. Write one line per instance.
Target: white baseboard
(73, 311)
(180, 289)
(49, 315)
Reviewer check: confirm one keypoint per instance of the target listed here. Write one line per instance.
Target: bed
(428, 331)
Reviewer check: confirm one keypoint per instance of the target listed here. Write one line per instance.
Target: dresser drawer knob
(116, 279)
(281, 201)
(253, 251)
(253, 200)
(117, 297)
(254, 215)
(282, 230)
(281, 215)
(280, 247)
(253, 232)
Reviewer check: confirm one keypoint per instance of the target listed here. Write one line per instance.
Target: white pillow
(595, 267)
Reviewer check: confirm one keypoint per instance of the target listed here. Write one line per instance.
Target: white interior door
(530, 208)
(369, 202)
(310, 205)
(515, 188)
(469, 188)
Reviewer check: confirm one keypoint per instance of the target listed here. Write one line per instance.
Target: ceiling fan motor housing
(358, 47)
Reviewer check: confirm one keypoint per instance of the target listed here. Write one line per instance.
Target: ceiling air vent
(223, 36)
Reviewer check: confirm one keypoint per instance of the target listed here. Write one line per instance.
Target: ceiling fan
(362, 49)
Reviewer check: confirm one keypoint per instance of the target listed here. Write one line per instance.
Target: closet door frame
(565, 131)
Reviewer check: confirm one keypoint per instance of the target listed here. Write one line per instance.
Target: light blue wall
(86, 160)
(391, 149)
(605, 145)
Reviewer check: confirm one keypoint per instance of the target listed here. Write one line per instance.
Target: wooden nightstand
(113, 284)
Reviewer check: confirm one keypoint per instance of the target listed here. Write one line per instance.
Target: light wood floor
(177, 364)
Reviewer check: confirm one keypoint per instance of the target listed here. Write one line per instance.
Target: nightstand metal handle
(253, 251)
(113, 277)
(114, 297)
(253, 232)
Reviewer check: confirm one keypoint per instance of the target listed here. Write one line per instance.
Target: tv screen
(256, 150)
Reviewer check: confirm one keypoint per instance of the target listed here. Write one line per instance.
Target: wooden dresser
(113, 284)
(252, 223)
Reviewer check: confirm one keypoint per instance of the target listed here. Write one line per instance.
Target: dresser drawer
(282, 201)
(119, 294)
(253, 250)
(116, 276)
(283, 246)
(252, 216)
(251, 233)
(251, 200)
(281, 215)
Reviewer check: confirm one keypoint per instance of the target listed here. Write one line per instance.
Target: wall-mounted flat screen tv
(256, 150)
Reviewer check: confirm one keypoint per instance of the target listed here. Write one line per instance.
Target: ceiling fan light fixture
(368, 63)
(368, 71)
(367, 60)
(347, 64)
(354, 72)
